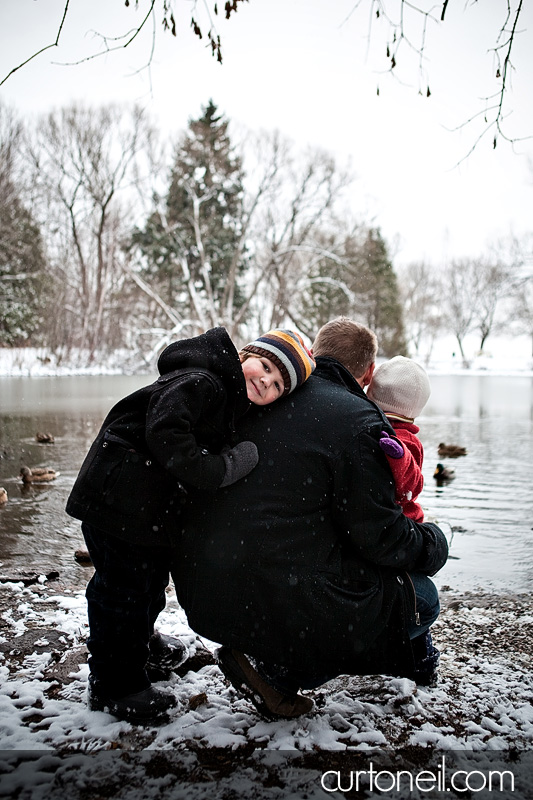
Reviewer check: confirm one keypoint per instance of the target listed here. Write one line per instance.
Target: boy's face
(264, 382)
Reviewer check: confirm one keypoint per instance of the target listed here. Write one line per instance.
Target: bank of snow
(40, 362)
(504, 356)
(481, 705)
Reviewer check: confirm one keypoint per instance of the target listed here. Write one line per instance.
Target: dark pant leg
(425, 655)
(124, 597)
(157, 604)
(427, 604)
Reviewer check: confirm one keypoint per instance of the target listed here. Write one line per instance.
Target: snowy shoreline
(481, 705)
(511, 357)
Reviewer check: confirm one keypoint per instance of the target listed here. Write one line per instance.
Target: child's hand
(239, 461)
(392, 447)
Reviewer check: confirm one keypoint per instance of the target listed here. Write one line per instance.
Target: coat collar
(332, 370)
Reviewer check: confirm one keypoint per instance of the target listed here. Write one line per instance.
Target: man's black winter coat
(161, 440)
(309, 553)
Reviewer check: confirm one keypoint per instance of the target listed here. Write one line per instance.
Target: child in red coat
(400, 387)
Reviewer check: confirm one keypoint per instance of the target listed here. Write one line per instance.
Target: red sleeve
(407, 474)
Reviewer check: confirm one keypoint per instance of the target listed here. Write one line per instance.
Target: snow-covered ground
(481, 707)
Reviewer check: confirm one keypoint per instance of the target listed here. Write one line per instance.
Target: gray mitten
(239, 461)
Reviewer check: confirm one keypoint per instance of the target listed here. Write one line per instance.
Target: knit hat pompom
(286, 349)
(400, 386)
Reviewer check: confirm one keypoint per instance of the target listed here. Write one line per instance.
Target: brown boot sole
(268, 701)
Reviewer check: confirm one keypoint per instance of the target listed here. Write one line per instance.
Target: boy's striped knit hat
(288, 352)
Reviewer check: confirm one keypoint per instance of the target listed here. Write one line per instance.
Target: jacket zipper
(417, 615)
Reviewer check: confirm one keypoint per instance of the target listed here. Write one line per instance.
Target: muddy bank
(481, 707)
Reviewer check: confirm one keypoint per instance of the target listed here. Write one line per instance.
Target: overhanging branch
(43, 49)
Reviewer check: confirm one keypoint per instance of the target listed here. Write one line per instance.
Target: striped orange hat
(288, 352)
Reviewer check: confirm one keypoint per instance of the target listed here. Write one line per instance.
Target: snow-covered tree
(354, 277)
(294, 224)
(376, 286)
(419, 292)
(85, 164)
(524, 309)
(22, 254)
(228, 245)
(191, 248)
(23, 285)
(459, 297)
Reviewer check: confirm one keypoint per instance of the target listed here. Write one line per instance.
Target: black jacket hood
(161, 435)
(209, 350)
(213, 351)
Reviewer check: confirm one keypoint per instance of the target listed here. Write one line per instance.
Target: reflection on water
(488, 506)
(35, 532)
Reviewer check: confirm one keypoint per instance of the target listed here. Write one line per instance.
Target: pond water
(486, 511)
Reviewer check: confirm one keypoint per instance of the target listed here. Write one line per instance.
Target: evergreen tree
(192, 247)
(356, 280)
(377, 289)
(327, 290)
(22, 262)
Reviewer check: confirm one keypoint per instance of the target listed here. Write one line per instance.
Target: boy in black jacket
(174, 434)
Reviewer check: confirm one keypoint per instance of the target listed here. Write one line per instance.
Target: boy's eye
(278, 387)
(266, 366)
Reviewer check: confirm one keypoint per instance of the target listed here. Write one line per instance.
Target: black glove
(239, 461)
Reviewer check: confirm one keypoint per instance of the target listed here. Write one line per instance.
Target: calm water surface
(486, 511)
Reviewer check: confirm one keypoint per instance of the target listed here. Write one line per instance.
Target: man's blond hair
(354, 345)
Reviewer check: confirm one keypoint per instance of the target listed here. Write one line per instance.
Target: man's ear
(367, 377)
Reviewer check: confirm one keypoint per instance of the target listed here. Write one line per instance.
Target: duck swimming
(443, 473)
(451, 450)
(38, 474)
(44, 438)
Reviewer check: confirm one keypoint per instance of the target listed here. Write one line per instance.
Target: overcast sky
(305, 68)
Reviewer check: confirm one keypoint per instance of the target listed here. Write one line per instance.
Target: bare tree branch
(400, 36)
(147, 289)
(42, 50)
(169, 23)
(132, 34)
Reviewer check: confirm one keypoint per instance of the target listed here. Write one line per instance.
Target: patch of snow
(505, 355)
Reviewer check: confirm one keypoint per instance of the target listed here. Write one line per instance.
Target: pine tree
(22, 262)
(193, 246)
(358, 282)
(377, 288)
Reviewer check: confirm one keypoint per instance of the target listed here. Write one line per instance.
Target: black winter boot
(167, 653)
(427, 659)
(149, 705)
